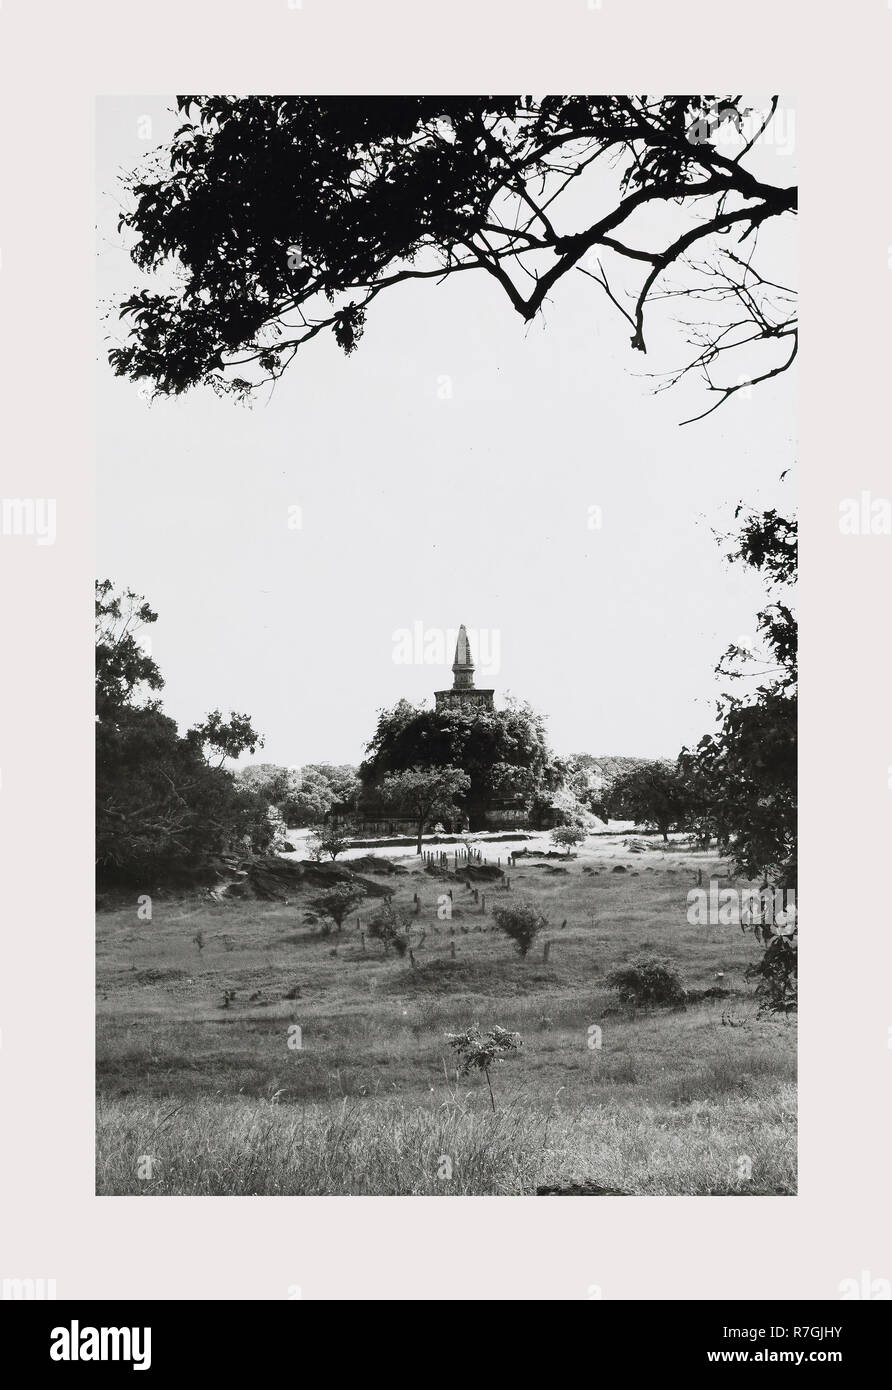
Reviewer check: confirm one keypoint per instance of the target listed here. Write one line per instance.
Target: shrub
(648, 981)
(390, 926)
(522, 923)
(336, 904)
(482, 1051)
(328, 839)
(777, 990)
(567, 836)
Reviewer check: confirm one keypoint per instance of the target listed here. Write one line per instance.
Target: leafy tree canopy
(337, 902)
(305, 795)
(278, 218)
(653, 793)
(425, 793)
(124, 668)
(504, 752)
(163, 801)
(746, 773)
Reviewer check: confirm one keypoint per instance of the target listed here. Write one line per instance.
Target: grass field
(200, 1094)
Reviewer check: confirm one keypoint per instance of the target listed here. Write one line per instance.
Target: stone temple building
(505, 813)
(464, 695)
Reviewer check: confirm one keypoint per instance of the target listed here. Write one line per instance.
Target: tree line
(166, 800)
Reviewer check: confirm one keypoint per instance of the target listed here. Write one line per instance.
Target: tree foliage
(776, 976)
(329, 839)
(320, 786)
(568, 836)
(273, 784)
(164, 802)
(746, 773)
(586, 778)
(425, 793)
(505, 753)
(650, 794)
(337, 903)
(304, 796)
(648, 981)
(125, 670)
(278, 218)
(521, 923)
(391, 926)
(479, 1051)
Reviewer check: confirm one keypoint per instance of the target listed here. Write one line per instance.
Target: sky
(447, 472)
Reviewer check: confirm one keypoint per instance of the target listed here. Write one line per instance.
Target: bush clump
(335, 905)
(648, 981)
(391, 927)
(522, 924)
(776, 974)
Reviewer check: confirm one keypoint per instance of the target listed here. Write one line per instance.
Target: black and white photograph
(418, 503)
(446, 645)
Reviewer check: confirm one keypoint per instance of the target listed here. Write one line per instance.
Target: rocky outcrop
(275, 879)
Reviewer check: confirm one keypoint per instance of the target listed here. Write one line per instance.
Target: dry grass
(370, 1103)
(249, 1147)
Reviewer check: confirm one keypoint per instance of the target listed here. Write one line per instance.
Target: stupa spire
(463, 665)
(464, 696)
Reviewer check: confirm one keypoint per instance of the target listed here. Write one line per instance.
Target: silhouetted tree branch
(274, 219)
